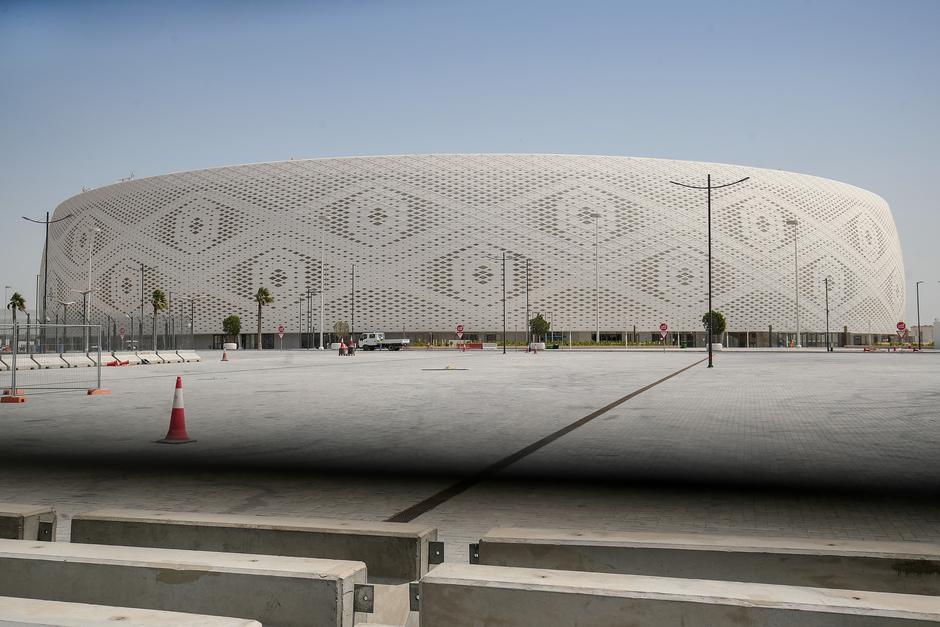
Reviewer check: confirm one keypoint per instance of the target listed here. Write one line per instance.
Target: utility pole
(710, 187)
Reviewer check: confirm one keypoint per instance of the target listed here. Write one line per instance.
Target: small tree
(17, 303)
(232, 326)
(262, 297)
(539, 326)
(718, 324)
(341, 328)
(158, 301)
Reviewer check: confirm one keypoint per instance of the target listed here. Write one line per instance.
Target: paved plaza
(841, 444)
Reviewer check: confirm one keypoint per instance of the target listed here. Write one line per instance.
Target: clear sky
(92, 91)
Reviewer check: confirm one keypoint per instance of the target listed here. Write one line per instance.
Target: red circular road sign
(663, 327)
(121, 333)
(901, 326)
(459, 328)
(280, 330)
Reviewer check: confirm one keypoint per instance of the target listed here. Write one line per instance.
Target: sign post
(280, 334)
(121, 333)
(663, 330)
(459, 331)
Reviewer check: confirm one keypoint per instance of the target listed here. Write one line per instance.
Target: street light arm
(50, 221)
(712, 187)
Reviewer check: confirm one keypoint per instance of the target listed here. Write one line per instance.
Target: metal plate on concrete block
(414, 596)
(46, 531)
(364, 598)
(435, 552)
(474, 553)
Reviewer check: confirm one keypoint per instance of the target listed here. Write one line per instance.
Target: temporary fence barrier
(50, 357)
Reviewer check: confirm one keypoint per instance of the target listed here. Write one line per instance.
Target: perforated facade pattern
(426, 233)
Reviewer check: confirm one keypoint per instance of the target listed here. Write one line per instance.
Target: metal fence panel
(51, 357)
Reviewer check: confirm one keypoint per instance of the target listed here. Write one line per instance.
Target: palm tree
(262, 297)
(17, 303)
(158, 300)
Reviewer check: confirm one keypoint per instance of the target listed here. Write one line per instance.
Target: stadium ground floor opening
(768, 338)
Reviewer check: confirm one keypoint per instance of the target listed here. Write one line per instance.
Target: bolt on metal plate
(363, 598)
(414, 592)
(45, 531)
(474, 553)
(435, 552)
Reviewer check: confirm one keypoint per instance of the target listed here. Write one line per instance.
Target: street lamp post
(917, 289)
(796, 279)
(597, 295)
(352, 300)
(65, 319)
(504, 302)
(528, 327)
(322, 258)
(86, 296)
(45, 260)
(828, 341)
(709, 187)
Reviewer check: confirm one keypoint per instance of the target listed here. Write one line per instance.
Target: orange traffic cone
(224, 355)
(177, 431)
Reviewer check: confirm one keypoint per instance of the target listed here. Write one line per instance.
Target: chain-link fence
(48, 357)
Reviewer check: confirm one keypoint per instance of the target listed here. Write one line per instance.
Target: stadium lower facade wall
(425, 235)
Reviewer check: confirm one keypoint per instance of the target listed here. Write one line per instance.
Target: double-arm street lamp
(708, 186)
(45, 259)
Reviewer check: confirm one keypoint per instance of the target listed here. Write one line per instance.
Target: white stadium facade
(591, 242)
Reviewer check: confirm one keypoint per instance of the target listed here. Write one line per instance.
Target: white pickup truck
(377, 341)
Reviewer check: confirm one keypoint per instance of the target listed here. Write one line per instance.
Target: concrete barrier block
(149, 357)
(464, 595)
(16, 611)
(905, 567)
(170, 357)
(19, 521)
(275, 590)
(393, 552)
(49, 361)
(77, 360)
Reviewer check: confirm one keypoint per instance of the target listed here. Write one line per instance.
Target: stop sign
(663, 327)
(901, 326)
(280, 331)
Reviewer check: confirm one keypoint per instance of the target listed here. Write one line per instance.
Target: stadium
(414, 245)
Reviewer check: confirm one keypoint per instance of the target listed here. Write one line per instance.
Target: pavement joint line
(226, 370)
(439, 498)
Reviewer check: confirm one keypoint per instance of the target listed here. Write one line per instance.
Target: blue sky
(91, 91)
